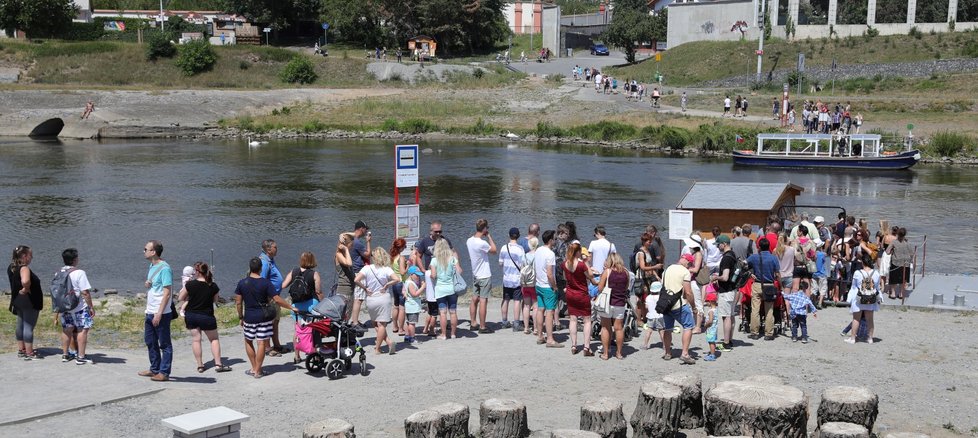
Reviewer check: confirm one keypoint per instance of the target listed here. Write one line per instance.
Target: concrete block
(205, 420)
(217, 432)
(178, 434)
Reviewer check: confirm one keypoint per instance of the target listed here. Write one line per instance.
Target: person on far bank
(252, 294)
(480, 245)
(200, 293)
(156, 327)
(444, 266)
(510, 257)
(376, 279)
(676, 280)
(578, 277)
(76, 323)
(766, 271)
(727, 292)
(544, 264)
(360, 254)
(26, 301)
(270, 272)
(314, 289)
(615, 276)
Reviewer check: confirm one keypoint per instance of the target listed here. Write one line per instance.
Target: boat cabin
(820, 145)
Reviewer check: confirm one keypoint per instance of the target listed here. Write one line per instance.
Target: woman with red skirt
(578, 275)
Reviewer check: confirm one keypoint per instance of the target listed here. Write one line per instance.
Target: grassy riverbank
(118, 324)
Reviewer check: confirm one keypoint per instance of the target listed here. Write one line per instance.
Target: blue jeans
(158, 343)
(796, 321)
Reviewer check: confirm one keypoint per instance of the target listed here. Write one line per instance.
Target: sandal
(574, 350)
(200, 369)
(273, 353)
(667, 356)
(604, 357)
(222, 368)
(619, 357)
(587, 352)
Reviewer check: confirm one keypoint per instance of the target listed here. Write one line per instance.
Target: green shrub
(478, 73)
(196, 56)
(916, 33)
(417, 126)
(158, 46)
(313, 126)
(970, 50)
(605, 131)
(244, 65)
(949, 144)
(390, 125)
(672, 138)
(549, 130)
(299, 70)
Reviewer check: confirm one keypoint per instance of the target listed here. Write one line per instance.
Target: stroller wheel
(363, 364)
(334, 369)
(315, 362)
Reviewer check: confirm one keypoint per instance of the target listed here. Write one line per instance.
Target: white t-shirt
(375, 278)
(79, 283)
(543, 257)
(479, 256)
(429, 289)
(726, 103)
(713, 254)
(600, 249)
(160, 278)
(510, 258)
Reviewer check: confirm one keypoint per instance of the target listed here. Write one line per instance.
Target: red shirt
(771, 239)
(576, 281)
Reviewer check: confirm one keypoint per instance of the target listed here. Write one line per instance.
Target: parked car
(599, 50)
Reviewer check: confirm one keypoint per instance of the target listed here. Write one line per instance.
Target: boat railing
(820, 145)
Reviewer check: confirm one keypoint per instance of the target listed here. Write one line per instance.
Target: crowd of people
(770, 275)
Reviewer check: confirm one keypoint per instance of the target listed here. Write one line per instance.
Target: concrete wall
(709, 21)
(551, 30)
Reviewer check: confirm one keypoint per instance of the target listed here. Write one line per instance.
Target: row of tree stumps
(758, 406)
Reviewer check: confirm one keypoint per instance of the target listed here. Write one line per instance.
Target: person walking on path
(676, 280)
(480, 245)
(26, 300)
(270, 272)
(77, 322)
(253, 295)
(200, 294)
(156, 327)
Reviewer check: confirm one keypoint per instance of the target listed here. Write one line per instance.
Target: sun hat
(819, 220)
(691, 243)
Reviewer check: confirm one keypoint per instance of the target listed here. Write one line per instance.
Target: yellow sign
(658, 56)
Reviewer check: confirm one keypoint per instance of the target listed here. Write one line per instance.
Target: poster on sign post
(409, 222)
(680, 224)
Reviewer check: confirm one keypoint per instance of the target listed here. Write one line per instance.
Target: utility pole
(162, 19)
(760, 40)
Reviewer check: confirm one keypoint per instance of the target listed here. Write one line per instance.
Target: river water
(108, 198)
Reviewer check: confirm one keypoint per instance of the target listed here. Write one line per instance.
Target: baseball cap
(723, 239)
(360, 225)
(711, 297)
(514, 232)
(819, 220)
(688, 258)
(414, 271)
(655, 287)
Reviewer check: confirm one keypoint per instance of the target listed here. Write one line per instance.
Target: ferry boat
(854, 151)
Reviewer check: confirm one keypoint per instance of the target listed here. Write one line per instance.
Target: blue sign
(325, 26)
(405, 166)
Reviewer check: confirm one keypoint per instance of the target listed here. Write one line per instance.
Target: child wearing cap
(412, 301)
(710, 319)
(654, 322)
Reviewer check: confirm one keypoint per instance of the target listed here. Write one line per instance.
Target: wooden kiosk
(422, 48)
(728, 204)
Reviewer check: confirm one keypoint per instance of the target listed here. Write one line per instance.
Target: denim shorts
(449, 303)
(682, 315)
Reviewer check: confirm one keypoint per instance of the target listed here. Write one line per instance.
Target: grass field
(701, 61)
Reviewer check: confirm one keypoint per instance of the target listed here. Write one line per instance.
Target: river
(108, 198)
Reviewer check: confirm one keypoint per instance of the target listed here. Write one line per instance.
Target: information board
(680, 224)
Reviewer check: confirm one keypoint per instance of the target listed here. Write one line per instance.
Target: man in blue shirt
(360, 255)
(270, 272)
(766, 269)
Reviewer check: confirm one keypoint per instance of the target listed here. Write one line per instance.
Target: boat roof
(788, 136)
(705, 195)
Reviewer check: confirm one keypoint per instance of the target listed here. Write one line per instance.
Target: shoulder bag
(268, 310)
(602, 302)
(457, 280)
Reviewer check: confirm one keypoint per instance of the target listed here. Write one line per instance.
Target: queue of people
(774, 280)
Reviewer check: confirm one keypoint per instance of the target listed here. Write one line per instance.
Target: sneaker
(507, 324)
(769, 338)
(67, 357)
(146, 373)
(724, 347)
(804, 340)
(869, 340)
(849, 341)
(794, 339)
(686, 360)
(32, 356)
(83, 361)
(517, 326)
(21, 354)
(754, 337)
(710, 358)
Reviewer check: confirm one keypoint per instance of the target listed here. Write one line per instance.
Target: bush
(417, 126)
(970, 50)
(872, 32)
(549, 130)
(390, 125)
(196, 56)
(299, 70)
(313, 126)
(605, 131)
(478, 73)
(949, 144)
(673, 138)
(916, 33)
(158, 46)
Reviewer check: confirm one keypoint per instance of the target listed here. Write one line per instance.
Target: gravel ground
(924, 378)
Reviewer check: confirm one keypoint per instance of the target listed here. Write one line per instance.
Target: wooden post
(331, 428)
(692, 398)
(849, 404)
(448, 420)
(842, 430)
(500, 418)
(658, 411)
(755, 409)
(604, 416)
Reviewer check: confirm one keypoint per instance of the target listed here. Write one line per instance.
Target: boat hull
(900, 161)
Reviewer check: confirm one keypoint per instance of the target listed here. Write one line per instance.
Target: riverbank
(924, 380)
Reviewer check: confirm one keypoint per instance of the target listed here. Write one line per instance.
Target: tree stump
(604, 416)
(692, 387)
(765, 378)
(836, 429)
(449, 420)
(906, 435)
(756, 409)
(658, 410)
(499, 418)
(571, 433)
(331, 428)
(849, 404)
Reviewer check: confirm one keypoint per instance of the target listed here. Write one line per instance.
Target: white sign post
(680, 224)
(407, 217)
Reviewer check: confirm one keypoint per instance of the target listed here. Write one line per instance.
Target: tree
(967, 11)
(277, 14)
(356, 21)
(632, 24)
(37, 18)
(196, 56)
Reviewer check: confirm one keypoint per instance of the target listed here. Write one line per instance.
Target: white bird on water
(511, 135)
(253, 142)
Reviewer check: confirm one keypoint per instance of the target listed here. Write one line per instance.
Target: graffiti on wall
(708, 27)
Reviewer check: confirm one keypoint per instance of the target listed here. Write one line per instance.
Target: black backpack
(299, 290)
(740, 273)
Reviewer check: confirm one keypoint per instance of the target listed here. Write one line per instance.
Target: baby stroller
(335, 357)
(780, 315)
(630, 324)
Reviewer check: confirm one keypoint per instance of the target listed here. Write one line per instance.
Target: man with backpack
(71, 293)
(676, 305)
(510, 257)
(156, 327)
(727, 290)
